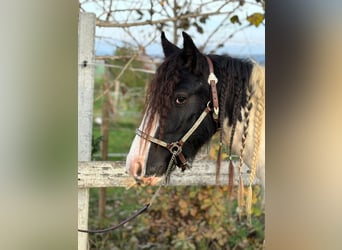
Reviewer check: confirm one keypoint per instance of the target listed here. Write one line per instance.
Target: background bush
(180, 218)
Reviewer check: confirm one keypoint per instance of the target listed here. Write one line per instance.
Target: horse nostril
(139, 170)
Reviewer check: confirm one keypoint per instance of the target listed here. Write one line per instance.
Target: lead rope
(166, 178)
(143, 209)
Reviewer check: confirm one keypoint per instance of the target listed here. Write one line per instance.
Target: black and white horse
(191, 97)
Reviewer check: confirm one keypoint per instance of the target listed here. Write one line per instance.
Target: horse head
(176, 98)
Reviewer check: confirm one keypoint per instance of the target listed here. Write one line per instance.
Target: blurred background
(38, 123)
(128, 51)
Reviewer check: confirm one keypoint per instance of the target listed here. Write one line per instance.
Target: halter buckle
(212, 77)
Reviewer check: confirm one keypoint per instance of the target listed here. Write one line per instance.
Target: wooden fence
(113, 174)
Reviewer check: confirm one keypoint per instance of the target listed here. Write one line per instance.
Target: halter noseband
(175, 148)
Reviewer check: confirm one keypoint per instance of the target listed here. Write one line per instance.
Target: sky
(249, 41)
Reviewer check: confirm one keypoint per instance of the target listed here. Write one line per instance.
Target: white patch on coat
(138, 152)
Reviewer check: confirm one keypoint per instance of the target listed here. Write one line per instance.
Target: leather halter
(175, 148)
(212, 80)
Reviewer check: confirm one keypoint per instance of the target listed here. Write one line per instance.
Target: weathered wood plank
(86, 38)
(113, 174)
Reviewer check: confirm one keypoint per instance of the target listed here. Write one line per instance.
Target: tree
(148, 18)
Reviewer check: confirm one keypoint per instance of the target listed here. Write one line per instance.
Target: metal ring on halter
(174, 148)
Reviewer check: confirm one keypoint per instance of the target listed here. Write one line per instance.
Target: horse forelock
(160, 91)
(163, 85)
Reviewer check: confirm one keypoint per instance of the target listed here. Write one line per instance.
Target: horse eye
(180, 99)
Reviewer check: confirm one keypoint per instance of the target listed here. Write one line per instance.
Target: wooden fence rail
(113, 174)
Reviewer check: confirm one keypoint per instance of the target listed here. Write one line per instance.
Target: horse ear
(190, 52)
(189, 46)
(168, 47)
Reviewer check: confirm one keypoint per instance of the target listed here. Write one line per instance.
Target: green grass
(121, 135)
(119, 139)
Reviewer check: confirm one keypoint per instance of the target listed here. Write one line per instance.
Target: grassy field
(120, 137)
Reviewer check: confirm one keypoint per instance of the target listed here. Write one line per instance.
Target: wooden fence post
(86, 58)
(106, 110)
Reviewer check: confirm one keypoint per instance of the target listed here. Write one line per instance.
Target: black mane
(233, 80)
(233, 77)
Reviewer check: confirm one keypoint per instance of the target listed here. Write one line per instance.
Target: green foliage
(129, 79)
(197, 21)
(181, 218)
(130, 103)
(198, 27)
(120, 138)
(95, 145)
(256, 19)
(203, 19)
(235, 19)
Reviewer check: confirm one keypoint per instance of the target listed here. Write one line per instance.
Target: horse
(191, 97)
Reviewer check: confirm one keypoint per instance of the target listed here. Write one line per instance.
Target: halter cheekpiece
(175, 148)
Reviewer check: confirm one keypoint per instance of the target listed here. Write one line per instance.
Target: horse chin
(149, 180)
